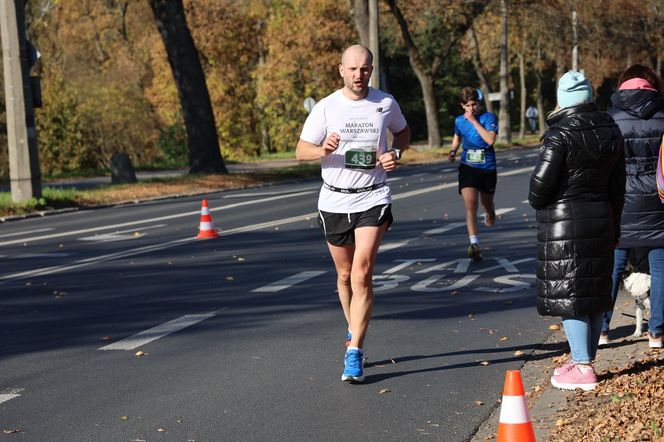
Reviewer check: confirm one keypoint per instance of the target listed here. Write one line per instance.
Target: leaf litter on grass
(627, 405)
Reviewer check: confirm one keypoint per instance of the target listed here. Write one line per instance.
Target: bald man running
(347, 131)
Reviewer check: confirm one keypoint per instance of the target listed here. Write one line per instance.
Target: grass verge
(62, 198)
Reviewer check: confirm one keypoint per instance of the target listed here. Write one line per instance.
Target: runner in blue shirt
(475, 131)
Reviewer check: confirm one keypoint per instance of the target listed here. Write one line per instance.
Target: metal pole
(374, 43)
(24, 173)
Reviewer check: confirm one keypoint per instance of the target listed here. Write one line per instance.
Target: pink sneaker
(575, 378)
(567, 366)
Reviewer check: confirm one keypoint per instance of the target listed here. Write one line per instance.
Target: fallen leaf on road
(479, 403)
(385, 391)
(137, 234)
(392, 360)
(140, 353)
(554, 327)
(519, 353)
(471, 317)
(504, 338)
(124, 418)
(17, 430)
(485, 363)
(161, 430)
(230, 278)
(107, 338)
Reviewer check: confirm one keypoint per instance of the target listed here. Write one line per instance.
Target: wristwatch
(398, 152)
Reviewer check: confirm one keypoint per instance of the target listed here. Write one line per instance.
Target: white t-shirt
(362, 126)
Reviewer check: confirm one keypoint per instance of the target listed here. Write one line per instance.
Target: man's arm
(402, 139)
(402, 142)
(306, 151)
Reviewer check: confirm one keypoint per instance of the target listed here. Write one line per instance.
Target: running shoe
(575, 378)
(475, 252)
(654, 340)
(567, 366)
(353, 366)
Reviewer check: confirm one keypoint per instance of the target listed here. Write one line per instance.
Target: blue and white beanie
(573, 89)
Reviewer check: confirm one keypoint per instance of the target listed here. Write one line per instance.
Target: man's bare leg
(367, 240)
(343, 262)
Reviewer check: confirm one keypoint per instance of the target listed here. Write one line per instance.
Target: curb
(545, 401)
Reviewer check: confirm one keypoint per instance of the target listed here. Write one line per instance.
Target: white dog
(637, 285)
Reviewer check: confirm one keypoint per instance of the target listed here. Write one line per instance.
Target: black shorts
(339, 228)
(480, 179)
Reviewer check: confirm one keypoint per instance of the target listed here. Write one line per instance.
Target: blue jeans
(620, 257)
(656, 261)
(583, 335)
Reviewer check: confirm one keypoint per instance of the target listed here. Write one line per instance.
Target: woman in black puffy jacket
(578, 188)
(638, 109)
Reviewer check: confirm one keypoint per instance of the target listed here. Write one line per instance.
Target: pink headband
(637, 83)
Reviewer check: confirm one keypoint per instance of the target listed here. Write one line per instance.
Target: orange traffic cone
(206, 229)
(514, 423)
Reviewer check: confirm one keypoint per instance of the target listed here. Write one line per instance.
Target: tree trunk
(204, 153)
(522, 86)
(479, 69)
(504, 129)
(430, 109)
(360, 12)
(540, 102)
(425, 78)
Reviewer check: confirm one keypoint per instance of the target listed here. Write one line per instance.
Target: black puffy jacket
(640, 115)
(578, 188)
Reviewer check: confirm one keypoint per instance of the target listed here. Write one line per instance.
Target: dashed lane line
(290, 281)
(9, 394)
(151, 220)
(146, 249)
(154, 333)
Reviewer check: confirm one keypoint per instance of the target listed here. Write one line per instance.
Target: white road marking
(147, 336)
(443, 229)
(290, 281)
(120, 234)
(505, 210)
(7, 235)
(391, 246)
(147, 249)
(9, 394)
(152, 220)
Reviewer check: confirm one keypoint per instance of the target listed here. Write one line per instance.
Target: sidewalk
(548, 405)
(91, 182)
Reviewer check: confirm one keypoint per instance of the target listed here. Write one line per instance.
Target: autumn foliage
(108, 88)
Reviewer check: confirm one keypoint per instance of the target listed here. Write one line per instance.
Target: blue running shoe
(353, 369)
(349, 336)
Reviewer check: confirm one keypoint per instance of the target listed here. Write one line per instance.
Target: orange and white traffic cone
(206, 229)
(514, 424)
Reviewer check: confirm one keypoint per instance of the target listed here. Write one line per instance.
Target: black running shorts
(339, 228)
(480, 179)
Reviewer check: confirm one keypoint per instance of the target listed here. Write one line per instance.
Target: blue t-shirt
(476, 151)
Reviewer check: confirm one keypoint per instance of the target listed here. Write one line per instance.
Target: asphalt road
(242, 338)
